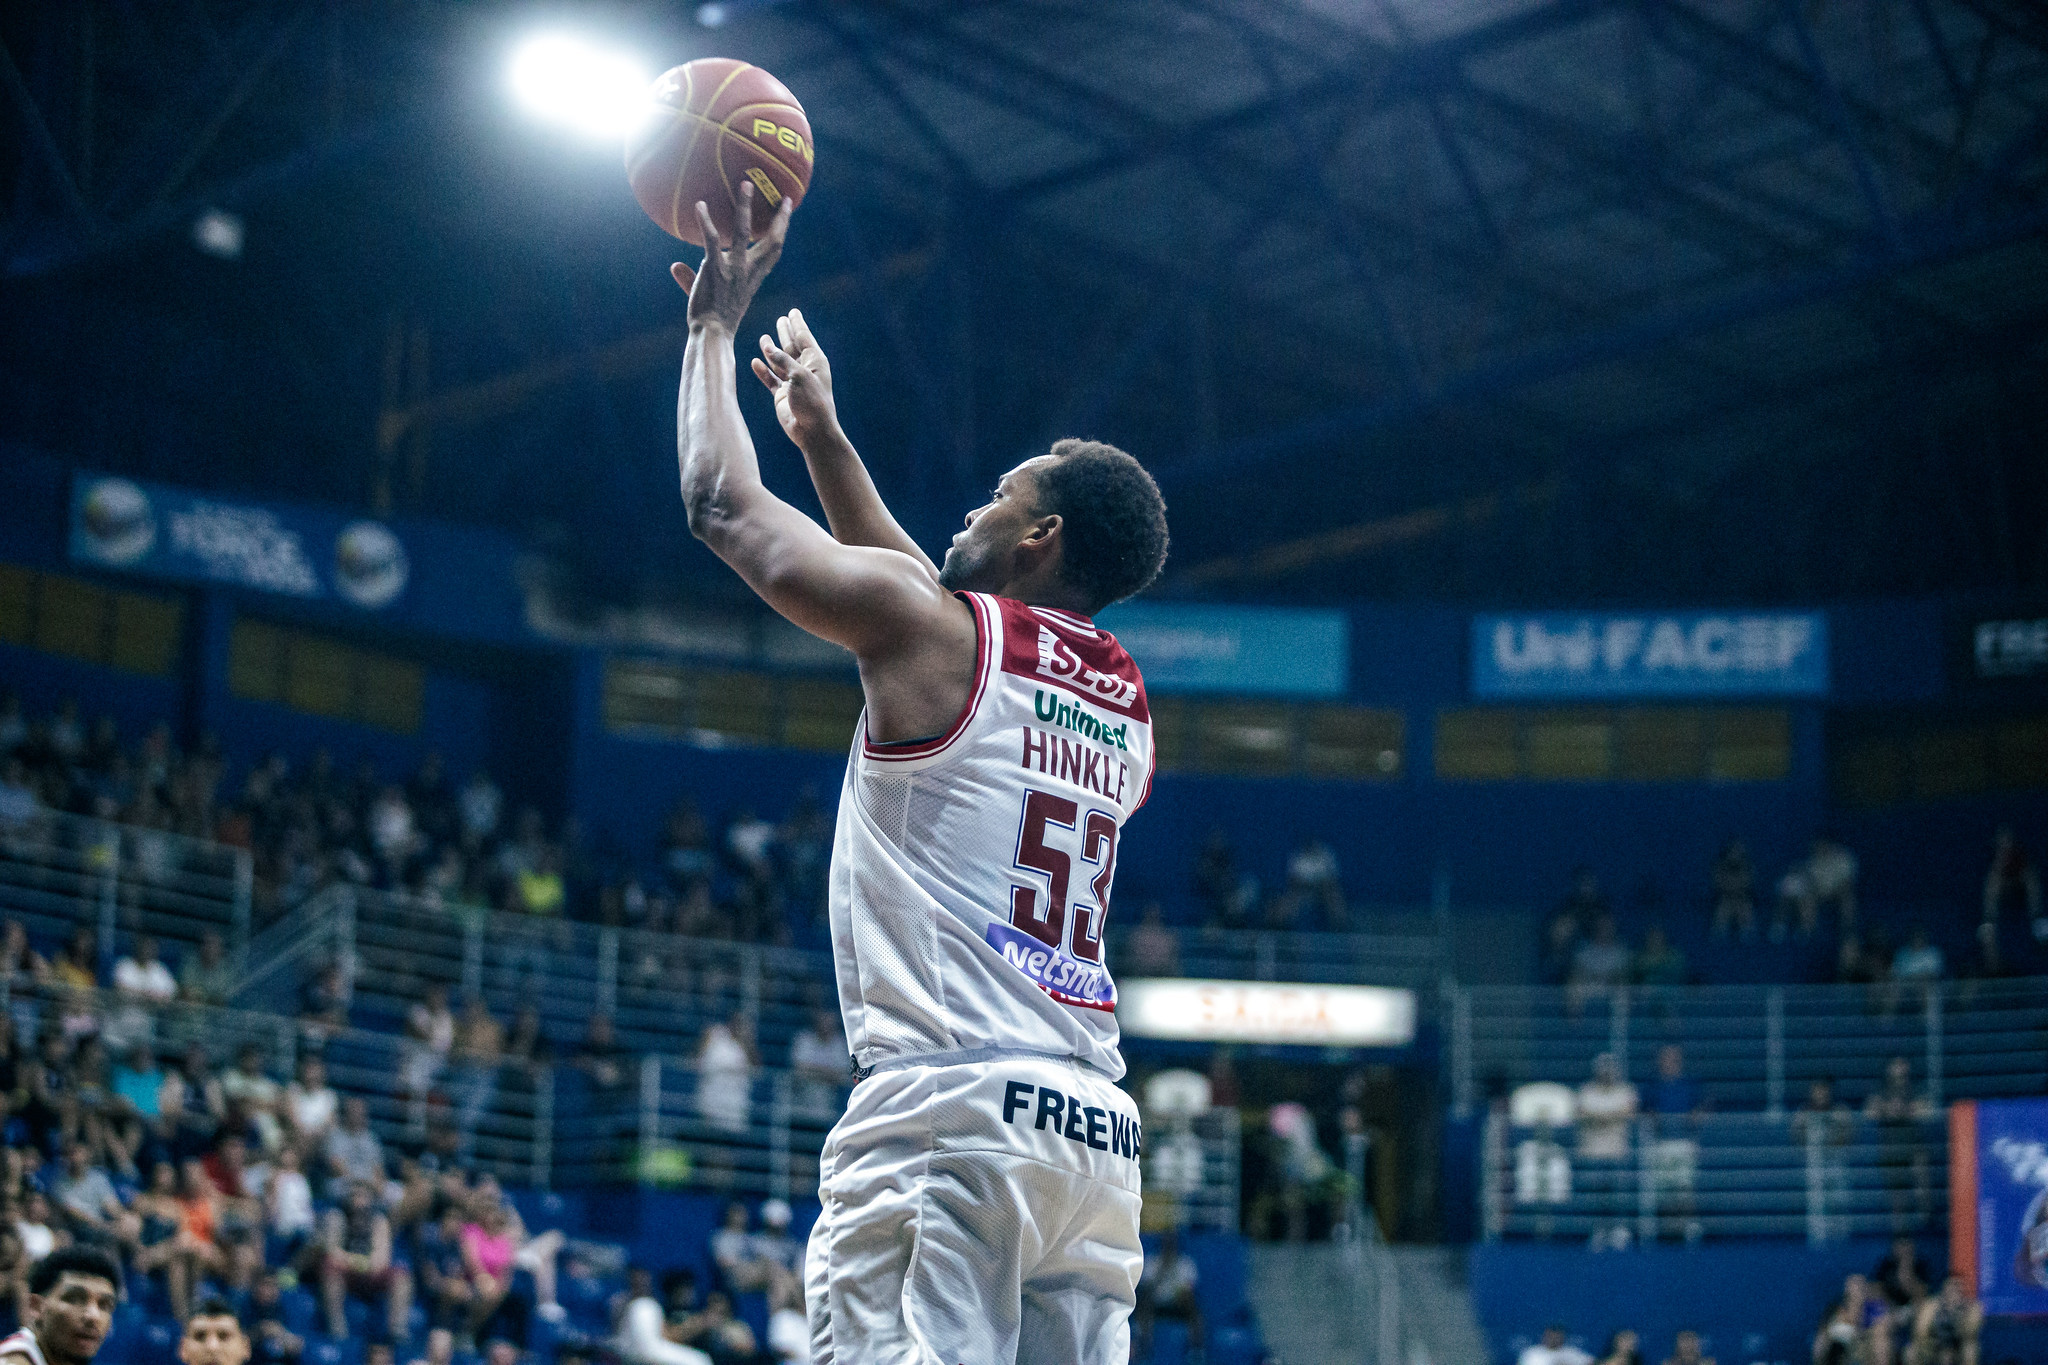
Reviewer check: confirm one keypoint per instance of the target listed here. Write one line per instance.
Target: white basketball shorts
(979, 1213)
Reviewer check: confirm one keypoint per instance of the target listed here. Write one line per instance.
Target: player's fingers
(800, 332)
(778, 359)
(766, 376)
(743, 215)
(709, 230)
(683, 275)
(782, 333)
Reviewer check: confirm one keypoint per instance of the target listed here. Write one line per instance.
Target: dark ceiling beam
(2021, 20)
(45, 145)
(1884, 218)
(1926, 243)
(231, 102)
(891, 90)
(1391, 83)
(1741, 61)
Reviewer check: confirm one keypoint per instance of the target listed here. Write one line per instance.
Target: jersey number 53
(1047, 845)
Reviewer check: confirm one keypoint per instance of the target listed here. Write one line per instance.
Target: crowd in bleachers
(125, 1129)
(1902, 1312)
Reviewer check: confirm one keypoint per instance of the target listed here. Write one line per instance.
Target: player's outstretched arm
(798, 374)
(875, 602)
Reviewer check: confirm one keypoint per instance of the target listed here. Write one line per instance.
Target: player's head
(1085, 517)
(213, 1336)
(71, 1294)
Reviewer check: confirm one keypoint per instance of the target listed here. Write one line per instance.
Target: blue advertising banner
(300, 552)
(1183, 647)
(1998, 1202)
(1651, 654)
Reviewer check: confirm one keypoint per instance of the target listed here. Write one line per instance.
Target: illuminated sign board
(1267, 1012)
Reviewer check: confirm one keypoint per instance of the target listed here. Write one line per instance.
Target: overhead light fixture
(218, 233)
(576, 85)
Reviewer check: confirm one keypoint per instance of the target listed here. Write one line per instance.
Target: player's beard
(964, 568)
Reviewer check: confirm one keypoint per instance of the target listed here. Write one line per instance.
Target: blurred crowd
(1902, 1313)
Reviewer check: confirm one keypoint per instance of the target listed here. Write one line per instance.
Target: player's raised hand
(800, 377)
(721, 289)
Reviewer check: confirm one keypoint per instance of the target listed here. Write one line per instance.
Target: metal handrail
(59, 870)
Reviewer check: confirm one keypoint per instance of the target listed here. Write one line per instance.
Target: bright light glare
(567, 81)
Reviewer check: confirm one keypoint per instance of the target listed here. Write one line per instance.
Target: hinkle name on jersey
(1084, 765)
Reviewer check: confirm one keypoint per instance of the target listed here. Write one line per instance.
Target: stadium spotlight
(567, 81)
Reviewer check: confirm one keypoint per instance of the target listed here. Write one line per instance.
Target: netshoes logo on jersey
(1058, 972)
(1050, 709)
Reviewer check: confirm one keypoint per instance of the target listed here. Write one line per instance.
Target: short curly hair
(1113, 520)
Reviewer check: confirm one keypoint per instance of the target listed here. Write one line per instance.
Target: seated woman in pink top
(496, 1244)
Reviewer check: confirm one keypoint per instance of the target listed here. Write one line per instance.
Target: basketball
(712, 125)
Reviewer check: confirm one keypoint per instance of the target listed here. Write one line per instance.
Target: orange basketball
(715, 123)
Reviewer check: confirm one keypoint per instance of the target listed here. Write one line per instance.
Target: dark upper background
(1517, 301)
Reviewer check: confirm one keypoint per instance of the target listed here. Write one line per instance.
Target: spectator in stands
(86, 1199)
(1824, 1127)
(818, 1056)
(310, 1104)
(323, 1004)
(21, 967)
(479, 806)
(1660, 963)
(460, 1296)
(142, 976)
(741, 1267)
(1167, 1288)
(19, 804)
(725, 1068)
(440, 1348)
(34, 1226)
(2012, 881)
(429, 1037)
(1312, 881)
(138, 1083)
(1625, 1347)
(1734, 889)
(164, 1251)
(200, 1205)
(774, 1244)
(288, 1212)
(643, 1335)
(686, 848)
(479, 1048)
(727, 1339)
(1919, 962)
(270, 1341)
(1685, 1350)
(1900, 1276)
(1227, 896)
(1901, 1112)
(1946, 1327)
(206, 977)
(78, 966)
(250, 1090)
(357, 1260)
(353, 1153)
(1152, 949)
(599, 1057)
(1607, 1106)
(1854, 1330)
(1553, 1349)
(1600, 965)
(1676, 1106)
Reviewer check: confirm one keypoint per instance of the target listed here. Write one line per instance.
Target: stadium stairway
(1320, 1304)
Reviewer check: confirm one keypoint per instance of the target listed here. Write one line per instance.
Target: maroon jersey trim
(904, 752)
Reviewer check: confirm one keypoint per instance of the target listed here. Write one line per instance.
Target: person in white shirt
(1553, 1350)
(641, 1338)
(429, 1035)
(1607, 1104)
(288, 1199)
(725, 1066)
(819, 1057)
(310, 1104)
(142, 974)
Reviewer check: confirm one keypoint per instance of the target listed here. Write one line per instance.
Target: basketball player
(981, 1192)
(213, 1336)
(71, 1294)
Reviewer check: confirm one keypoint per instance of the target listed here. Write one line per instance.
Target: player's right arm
(800, 378)
(883, 605)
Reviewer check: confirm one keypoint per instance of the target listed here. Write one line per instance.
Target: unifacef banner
(1651, 654)
(1250, 651)
(1998, 1202)
(1267, 1012)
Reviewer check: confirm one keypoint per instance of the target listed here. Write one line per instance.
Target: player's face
(982, 557)
(73, 1318)
(214, 1340)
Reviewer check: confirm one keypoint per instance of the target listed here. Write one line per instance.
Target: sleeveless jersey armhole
(986, 650)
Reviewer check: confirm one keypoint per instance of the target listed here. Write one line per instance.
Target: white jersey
(23, 1343)
(971, 872)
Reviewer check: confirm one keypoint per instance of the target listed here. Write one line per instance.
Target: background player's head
(1084, 523)
(71, 1294)
(213, 1336)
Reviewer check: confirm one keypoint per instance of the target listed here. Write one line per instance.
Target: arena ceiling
(1506, 300)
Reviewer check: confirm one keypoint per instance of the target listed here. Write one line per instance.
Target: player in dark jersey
(71, 1296)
